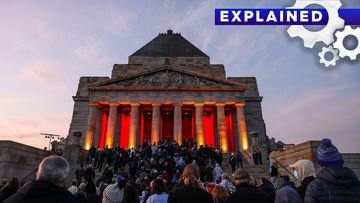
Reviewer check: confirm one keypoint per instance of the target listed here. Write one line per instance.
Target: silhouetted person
(49, 185)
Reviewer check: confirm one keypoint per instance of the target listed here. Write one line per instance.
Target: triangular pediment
(167, 78)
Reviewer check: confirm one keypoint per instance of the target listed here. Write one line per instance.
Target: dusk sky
(46, 46)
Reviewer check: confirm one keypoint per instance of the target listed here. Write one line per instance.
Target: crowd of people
(170, 173)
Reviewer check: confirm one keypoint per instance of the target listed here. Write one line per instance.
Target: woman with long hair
(158, 192)
(219, 194)
(192, 191)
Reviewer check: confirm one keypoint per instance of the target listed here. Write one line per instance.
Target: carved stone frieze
(168, 79)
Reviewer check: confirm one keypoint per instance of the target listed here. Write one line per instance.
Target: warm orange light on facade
(245, 144)
(87, 143)
(224, 147)
(131, 141)
(241, 119)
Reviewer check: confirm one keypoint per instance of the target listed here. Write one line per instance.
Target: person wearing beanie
(304, 171)
(334, 182)
(244, 191)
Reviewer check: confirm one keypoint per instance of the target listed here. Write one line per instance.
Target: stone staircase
(255, 171)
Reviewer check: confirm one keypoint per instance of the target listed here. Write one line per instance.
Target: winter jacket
(269, 189)
(247, 193)
(188, 194)
(7, 192)
(42, 192)
(217, 171)
(287, 194)
(334, 184)
(304, 184)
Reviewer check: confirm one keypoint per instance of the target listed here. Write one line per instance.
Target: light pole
(50, 137)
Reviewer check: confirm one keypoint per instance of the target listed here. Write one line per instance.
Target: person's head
(121, 182)
(90, 187)
(219, 192)
(73, 182)
(130, 194)
(303, 168)
(225, 176)
(82, 187)
(158, 186)
(241, 176)
(53, 169)
(191, 175)
(263, 180)
(328, 154)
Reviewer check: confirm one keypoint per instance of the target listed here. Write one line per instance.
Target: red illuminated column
(155, 123)
(91, 125)
(242, 139)
(199, 122)
(134, 125)
(111, 125)
(178, 123)
(221, 124)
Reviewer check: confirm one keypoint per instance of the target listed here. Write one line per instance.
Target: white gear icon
(326, 34)
(331, 62)
(340, 36)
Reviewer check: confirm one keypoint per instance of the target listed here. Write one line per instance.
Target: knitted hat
(119, 178)
(113, 194)
(328, 154)
(240, 174)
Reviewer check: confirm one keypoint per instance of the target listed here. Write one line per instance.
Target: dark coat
(334, 184)
(269, 189)
(7, 192)
(41, 191)
(274, 171)
(189, 194)
(247, 193)
(304, 184)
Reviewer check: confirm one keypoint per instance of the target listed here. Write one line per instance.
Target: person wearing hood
(49, 185)
(217, 172)
(334, 182)
(304, 171)
(287, 192)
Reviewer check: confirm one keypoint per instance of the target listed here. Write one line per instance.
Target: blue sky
(45, 46)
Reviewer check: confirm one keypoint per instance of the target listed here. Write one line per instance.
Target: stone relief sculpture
(168, 79)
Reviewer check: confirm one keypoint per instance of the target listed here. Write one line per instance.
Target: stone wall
(19, 160)
(307, 150)
(144, 64)
(80, 115)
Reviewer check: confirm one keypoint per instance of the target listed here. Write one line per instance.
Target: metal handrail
(284, 167)
(247, 154)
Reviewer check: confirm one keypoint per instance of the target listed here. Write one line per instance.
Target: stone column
(155, 123)
(134, 125)
(241, 126)
(178, 123)
(199, 123)
(91, 125)
(221, 125)
(113, 112)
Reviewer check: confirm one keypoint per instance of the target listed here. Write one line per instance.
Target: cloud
(46, 74)
(90, 48)
(321, 113)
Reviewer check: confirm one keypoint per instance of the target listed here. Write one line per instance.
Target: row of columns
(155, 125)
